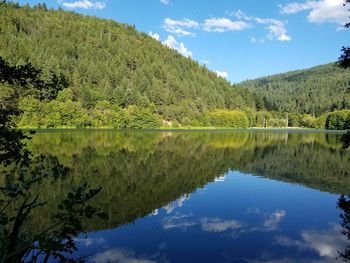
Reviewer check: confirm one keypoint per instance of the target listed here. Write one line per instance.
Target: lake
(202, 196)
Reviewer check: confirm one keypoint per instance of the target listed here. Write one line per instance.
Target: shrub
(338, 120)
(139, 118)
(229, 119)
(263, 118)
(308, 121)
(251, 115)
(320, 122)
(294, 120)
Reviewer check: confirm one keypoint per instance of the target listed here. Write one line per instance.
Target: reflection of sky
(245, 219)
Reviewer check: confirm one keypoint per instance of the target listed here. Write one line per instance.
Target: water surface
(203, 197)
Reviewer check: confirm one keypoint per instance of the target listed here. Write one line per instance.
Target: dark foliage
(344, 205)
(344, 59)
(17, 202)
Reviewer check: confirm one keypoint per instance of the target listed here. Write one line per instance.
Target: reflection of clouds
(273, 220)
(280, 260)
(162, 246)
(208, 224)
(86, 242)
(270, 223)
(218, 225)
(325, 243)
(178, 221)
(292, 260)
(221, 178)
(175, 204)
(252, 210)
(155, 212)
(118, 255)
(288, 242)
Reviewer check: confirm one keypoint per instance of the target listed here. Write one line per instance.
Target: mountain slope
(102, 60)
(314, 91)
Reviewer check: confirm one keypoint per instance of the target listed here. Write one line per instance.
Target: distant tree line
(313, 91)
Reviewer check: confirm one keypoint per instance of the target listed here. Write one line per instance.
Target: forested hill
(314, 91)
(92, 72)
(102, 60)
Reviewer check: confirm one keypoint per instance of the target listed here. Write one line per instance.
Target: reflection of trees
(345, 139)
(344, 205)
(21, 174)
(140, 172)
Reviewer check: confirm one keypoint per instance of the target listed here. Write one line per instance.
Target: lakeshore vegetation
(99, 73)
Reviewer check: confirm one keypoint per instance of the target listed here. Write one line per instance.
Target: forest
(98, 73)
(312, 91)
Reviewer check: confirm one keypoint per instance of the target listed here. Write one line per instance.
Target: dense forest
(313, 91)
(99, 73)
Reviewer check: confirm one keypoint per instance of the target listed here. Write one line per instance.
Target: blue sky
(239, 39)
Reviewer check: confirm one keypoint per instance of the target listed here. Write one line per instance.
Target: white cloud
(85, 4)
(222, 74)
(276, 28)
(294, 8)
(179, 46)
(165, 2)
(180, 27)
(322, 11)
(221, 25)
(257, 40)
(185, 27)
(118, 255)
(218, 225)
(154, 35)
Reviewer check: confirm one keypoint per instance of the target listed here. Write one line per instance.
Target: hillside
(82, 71)
(313, 91)
(105, 61)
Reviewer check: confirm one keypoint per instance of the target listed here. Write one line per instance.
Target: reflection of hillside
(140, 172)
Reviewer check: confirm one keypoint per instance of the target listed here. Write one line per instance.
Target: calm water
(203, 197)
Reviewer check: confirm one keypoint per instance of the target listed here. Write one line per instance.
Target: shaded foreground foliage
(17, 201)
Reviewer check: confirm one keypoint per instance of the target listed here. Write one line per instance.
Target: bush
(279, 123)
(139, 118)
(175, 124)
(251, 115)
(186, 121)
(320, 122)
(294, 120)
(263, 118)
(338, 120)
(308, 121)
(195, 123)
(229, 119)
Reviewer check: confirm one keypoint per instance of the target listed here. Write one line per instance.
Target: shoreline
(191, 130)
